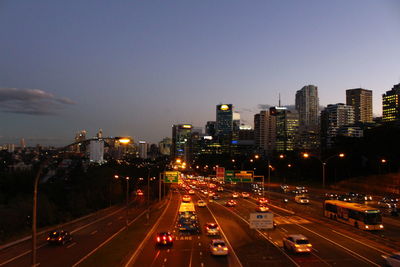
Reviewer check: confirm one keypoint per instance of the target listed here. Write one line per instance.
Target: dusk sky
(137, 67)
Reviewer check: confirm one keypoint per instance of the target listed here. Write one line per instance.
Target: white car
(301, 199)
(218, 247)
(235, 195)
(392, 260)
(297, 243)
(201, 203)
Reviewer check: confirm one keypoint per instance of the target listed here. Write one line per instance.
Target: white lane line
(353, 253)
(202, 264)
(94, 232)
(199, 244)
(108, 240)
(361, 242)
(149, 234)
(165, 259)
(201, 253)
(283, 229)
(21, 255)
(266, 237)
(71, 245)
(223, 234)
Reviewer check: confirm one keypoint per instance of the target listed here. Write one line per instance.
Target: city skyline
(142, 70)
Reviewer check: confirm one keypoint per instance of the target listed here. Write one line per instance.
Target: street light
(127, 196)
(324, 162)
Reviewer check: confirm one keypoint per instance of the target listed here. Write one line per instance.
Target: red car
(164, 238)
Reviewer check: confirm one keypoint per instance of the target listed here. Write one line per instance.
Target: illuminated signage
(224, 107)
(208, 137)
(187, 126)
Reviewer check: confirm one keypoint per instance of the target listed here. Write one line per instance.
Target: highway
(87, 234)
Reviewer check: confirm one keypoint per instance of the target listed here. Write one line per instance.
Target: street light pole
(323, 174)
(127, 201)
(269, 177)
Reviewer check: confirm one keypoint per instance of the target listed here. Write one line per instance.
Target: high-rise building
(165, 146)
(99, 134)
(333, 117)
(181, 141)
(361, 100)
(265, 131)
(211, 128)
(143, 149)
(391, 105)
(22, 143)
(225, 126)
(307, 106)
(96, 151)
(287, 125)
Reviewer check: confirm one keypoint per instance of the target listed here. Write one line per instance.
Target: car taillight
(48, 238)
(158, 239)
(59, 238)
(170, 238)
(164, 237)
(225, 248)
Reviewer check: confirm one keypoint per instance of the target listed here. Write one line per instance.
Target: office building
(96, 151)
(361, 101)
(307, 106)
(333, 117)
(391, 105)
(211, 128)
(225, 126)
(265, 131)
(165, 146)
(287, 125)
(181, 141)
(143, 149)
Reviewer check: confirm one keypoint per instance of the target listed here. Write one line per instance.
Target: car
(191, 192)
(235, 195)
(302, 199)
(231, 203)
(59, 237)
(211, 193)
(139, 192)
(164, 238)
(393, 259)
(245, 195)
(301, 189)
(297, 243)
(205, 192)
(388, 202)
(186, 198)
(220, 189)
(262, 208)
(262, 200)
(331, 196)
(201, 203)
(218, 247)
(211, 229)
(216, 197)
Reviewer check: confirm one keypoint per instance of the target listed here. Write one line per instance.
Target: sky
(135, 68)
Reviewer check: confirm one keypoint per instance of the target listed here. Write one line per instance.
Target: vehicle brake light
(225, 248)
(48, 238)
(59, 238)
(158, 239)
(215, 249)
(164, 237)
(170, 238)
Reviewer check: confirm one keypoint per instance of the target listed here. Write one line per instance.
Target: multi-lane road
(334, 244)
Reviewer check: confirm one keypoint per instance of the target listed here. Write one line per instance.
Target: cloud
(31, 101)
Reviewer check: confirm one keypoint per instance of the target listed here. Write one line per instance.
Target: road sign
(245, 176)
(261, 220)
(230, 176)
(171, 177)
(220, 173)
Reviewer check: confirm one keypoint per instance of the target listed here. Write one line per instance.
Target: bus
(187, 218)
(358, 215)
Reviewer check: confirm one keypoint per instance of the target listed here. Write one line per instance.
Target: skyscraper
(361, 100)
(333, 117)
(143, 149)
(287, 124)
(165, 146)
(307, 105)
(181, 141)
(391, 105)
(224, 126)
(96, 151)
(265, 131)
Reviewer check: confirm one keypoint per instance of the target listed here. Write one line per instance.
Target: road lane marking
(71, 245)
(337, 244)
(165, 259)
(201, 253)
(295, 263)
(147, 237)
(155, 257)
(361, 242)
(109, 223)
(108, 240)
(94, 232)
(283, 229)
(199, 244)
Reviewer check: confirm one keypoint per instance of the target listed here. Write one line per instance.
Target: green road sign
(171, 177)
(245, 176)
(230, 177)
